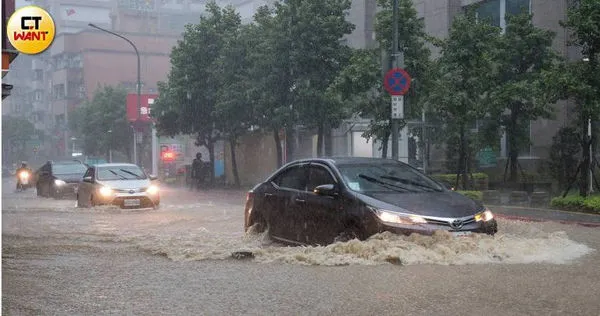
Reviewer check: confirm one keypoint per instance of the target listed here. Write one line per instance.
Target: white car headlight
(485, 216)
(153, 189)
(59, 182)
(399, 218)
(106, 191)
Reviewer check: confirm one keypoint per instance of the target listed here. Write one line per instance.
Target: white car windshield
(120, 173)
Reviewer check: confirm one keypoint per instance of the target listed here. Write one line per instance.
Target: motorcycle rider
(23, 168)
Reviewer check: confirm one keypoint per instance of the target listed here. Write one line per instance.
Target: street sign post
(397, 81)
(397, 107)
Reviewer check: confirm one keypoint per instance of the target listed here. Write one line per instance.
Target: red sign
(145, 104)
(397, 81)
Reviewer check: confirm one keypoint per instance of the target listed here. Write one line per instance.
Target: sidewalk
(540, 214)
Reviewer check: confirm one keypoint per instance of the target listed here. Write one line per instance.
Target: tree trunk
(513, 146)
(328, 142)
(384, 146)
(290, 144)
(234, 167)
(278, 147)
(210, 145)
(320, 140)
(585, 166)
(462, 160)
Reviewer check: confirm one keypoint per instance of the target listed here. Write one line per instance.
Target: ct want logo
(30, 30)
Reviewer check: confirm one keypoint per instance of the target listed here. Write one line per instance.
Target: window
(293, 178)
(516, 7)
(318, 176)
(489, 11)
(495, 11)
(89, 173)
(38, 74)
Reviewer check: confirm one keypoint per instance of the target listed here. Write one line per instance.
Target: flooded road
(60, 260)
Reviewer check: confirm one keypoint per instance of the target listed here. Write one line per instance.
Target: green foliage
(475, 195)
(16, 131)
(464, 77)
(520, 95)
(94, 119)
(577, 203)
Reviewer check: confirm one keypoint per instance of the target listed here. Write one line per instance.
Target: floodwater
(194, 235)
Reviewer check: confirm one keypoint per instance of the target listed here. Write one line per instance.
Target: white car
(121, 184)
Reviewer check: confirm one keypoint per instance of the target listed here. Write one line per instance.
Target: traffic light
(167, 155)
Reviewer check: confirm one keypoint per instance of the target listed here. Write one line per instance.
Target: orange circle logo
(30, 30)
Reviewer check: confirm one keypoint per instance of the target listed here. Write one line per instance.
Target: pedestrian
(197, 171)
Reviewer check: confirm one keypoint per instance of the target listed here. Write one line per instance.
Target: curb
(537, 220)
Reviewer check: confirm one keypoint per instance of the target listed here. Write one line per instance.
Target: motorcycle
(23, 182)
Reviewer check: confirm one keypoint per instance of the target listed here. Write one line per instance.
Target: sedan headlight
(59, 182)
(485, 216)
(398, 218)
(153, 189)
(106, 191)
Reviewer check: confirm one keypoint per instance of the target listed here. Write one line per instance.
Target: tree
(16, 131)
(463, 79)
(520, 94)
(318, 55)
(93, 121)
(187, 101)
(271, 74)
(563, 160)
(233, 107)
(580, 78)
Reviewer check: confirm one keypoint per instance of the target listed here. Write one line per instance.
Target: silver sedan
(120, 184)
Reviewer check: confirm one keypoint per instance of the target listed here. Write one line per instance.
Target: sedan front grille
(129, 190)
(448, 221)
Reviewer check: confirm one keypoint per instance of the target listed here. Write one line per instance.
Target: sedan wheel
(349, 234)
(259, 223)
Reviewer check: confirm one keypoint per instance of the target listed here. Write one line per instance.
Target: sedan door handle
(300, 200)
(268, 194)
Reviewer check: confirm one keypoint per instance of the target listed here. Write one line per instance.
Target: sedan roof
(350, 160)
(108, 165)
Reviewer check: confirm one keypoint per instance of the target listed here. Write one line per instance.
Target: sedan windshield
(120, 173)
(70, 168)
(386, 177)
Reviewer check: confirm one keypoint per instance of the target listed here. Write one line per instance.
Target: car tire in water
(259, 222)
(350, 233)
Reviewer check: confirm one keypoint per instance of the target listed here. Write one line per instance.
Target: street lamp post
(139, 83)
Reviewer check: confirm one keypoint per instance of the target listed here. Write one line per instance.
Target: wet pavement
(60, 260)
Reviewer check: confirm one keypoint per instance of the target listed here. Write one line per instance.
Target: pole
(154, 152)
(424, 142)
(139, 82)
(394, 65)
(590, 175)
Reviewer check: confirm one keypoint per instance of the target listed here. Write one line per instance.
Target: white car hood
(126, 184)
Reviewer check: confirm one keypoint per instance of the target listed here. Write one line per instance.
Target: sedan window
(318, 176)
(293, 178)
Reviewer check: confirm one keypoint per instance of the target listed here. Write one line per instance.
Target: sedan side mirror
(87, 179)
(326, 189)
(153, 177)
